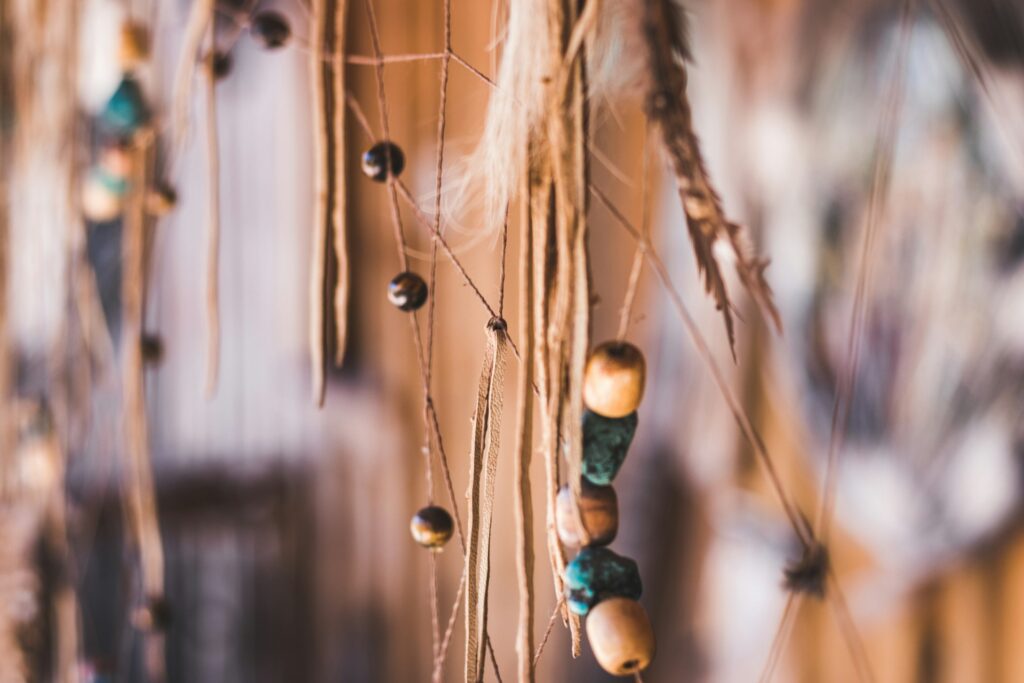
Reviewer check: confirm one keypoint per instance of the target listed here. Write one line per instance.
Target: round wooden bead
(621, 636)
(606, 443)
(134, 46)
(381, 157)
(160, 200)
(432, 527)
(407, 291)
(154, 616)
(152, 347)
(596, 574)
(102, 196)
(221, 64)
(599, 509)
(613, 383)
(270, 30)
(116, 161)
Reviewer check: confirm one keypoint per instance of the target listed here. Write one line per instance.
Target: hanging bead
(102, 196)
(152, 348)
(154, 616)
(270, 30)
(613, 383)
(125, 111)
(599, 508)
(605, 445)
(382, 156)
(221, 65)
(621, 636)
(160, 200)
(432, 527)
(134, 46)
(596, 574)
(407, 291)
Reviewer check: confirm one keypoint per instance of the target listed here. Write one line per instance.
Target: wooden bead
(102, 196)
(606, 443)
(613, 383)
(432, 527)
(152, 347)
(160, 200)
(621, 636)
(154, 616)
(381, 157)
(407, 291)
(596, 574)
(599, 509)
(134, 46)
(116, 161)
(271, 30)
(221, 64)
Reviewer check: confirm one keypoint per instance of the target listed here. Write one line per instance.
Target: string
(884, 152)
(641, 246)
(837, 600)
(547, 631)
(782, 633)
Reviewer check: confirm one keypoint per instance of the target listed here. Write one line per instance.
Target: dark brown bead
(432, 527)
(613, 382)
(621, 636)
(221, 64)
(407, 291)
(152, 348)
(270, 30)
(599, 509)
(154, 616)
(381, 157)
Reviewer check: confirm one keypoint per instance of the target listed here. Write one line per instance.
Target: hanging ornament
(125, 111)
(102, 195)
(432, 527)
(270, 30)
(596, 574)
(613, 384)
(620, 636)
(381, 158)
(407, 291)
(606, 443)
(134, 46)
(599, 511)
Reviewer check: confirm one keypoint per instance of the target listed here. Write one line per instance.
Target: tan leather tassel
(483, 468)
(524, 454)
(329, 271)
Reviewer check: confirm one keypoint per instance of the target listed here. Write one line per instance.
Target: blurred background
(285, 526)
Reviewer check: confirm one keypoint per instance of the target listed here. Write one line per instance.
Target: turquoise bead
(596, 574)
(605, 444)
(109, 181)
(126, 109)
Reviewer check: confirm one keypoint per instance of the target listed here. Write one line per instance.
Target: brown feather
(667, 105)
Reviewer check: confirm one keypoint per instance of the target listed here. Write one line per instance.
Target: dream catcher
(869, 357)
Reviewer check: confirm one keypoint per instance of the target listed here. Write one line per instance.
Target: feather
(666, 103)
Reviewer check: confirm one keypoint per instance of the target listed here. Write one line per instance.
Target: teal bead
(605, 445)
(109, 181)
(126, 109)
(597, 573)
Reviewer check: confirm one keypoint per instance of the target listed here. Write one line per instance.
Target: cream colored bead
(613, 383)
(620, 636)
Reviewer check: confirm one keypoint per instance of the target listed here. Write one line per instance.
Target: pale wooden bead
(134, 46)
(620, 636)
(613, 383)
(100, 203)
(599, 508)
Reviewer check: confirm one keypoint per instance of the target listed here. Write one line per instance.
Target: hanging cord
(626, 316)
(884, 150)
(212, 221)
